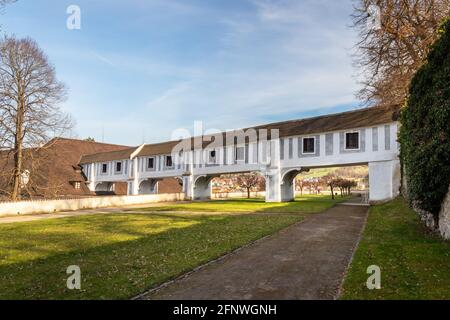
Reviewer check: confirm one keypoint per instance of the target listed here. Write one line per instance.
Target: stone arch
(104, 187)
(202, 187)
(288, 183)
(148, 186)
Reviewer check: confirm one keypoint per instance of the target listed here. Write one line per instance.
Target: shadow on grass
(118, 258)
(305, 204)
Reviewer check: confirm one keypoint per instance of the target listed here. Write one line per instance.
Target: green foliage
(425, 130)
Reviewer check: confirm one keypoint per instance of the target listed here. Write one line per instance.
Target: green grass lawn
(305, 204)
(122, 255)
(414, 264)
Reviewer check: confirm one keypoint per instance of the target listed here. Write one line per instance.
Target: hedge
(425, 128)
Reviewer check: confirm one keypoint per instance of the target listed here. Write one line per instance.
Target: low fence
(50, 206)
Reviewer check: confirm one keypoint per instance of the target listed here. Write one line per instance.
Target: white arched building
(362, 137)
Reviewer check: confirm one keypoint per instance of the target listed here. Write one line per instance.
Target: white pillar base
(273, 185)
(384, 180)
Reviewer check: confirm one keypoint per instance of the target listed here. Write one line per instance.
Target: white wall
(50, 206)
(382, 153)
(384, 180)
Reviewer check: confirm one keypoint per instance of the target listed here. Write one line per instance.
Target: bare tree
(3, 3)
(29, 99)
(249, 181)
(391, 51)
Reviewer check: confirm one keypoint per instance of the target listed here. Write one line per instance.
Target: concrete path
(305, 261)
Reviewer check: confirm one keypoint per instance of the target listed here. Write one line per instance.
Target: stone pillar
(384, 180)
(273, 185)
(272, 173)
(135, 178)
(188, 187)
(91, 184)
(288, 186)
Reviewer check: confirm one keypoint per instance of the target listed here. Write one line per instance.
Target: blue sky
(137, 70)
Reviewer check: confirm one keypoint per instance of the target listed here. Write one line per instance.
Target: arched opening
(148, 186)
(104, 188)
(202, 187)
(336, 182)
(288, 183)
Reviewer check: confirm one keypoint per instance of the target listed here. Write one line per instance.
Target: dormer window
(77, 185)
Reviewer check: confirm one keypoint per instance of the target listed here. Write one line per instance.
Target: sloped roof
(55, 166)
(360, 118)
(108, 156)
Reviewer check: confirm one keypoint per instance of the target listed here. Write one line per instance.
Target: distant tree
(3, 3)
(89, 139)
(300, 184)
(249, 181)
(29, 98)
(390, 52)
(332, 182)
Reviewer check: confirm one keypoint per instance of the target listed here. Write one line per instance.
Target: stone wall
(444, 217)
(50, 206)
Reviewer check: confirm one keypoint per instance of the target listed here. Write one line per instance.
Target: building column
(272, 173)
(188, 187)
(384, 180)
(273, 185)
(134, 185)
(91, 184)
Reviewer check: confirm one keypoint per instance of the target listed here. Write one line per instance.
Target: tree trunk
(332, 192)
(18, 150)
(248, 193)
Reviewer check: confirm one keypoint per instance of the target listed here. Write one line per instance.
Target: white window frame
(303, 145)
(236, 153)
(165, 162)
(107, 168)
(148, 162)
(359, 140)
(121, 167)
(212, 160)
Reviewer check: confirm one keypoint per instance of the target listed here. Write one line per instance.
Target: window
(240, 154)
(118, 167)
(352, 140)
(104, 168)
(309, 145)
(77, 185)
(169, 162)
(151, 163)
(212, 156)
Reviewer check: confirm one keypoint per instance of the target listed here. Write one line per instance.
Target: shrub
(425, 128)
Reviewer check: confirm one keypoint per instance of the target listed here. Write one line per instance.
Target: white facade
(375, 146)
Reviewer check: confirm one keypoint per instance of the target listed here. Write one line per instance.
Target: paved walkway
(305, 261)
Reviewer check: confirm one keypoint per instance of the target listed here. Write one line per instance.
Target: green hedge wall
(425, 128)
